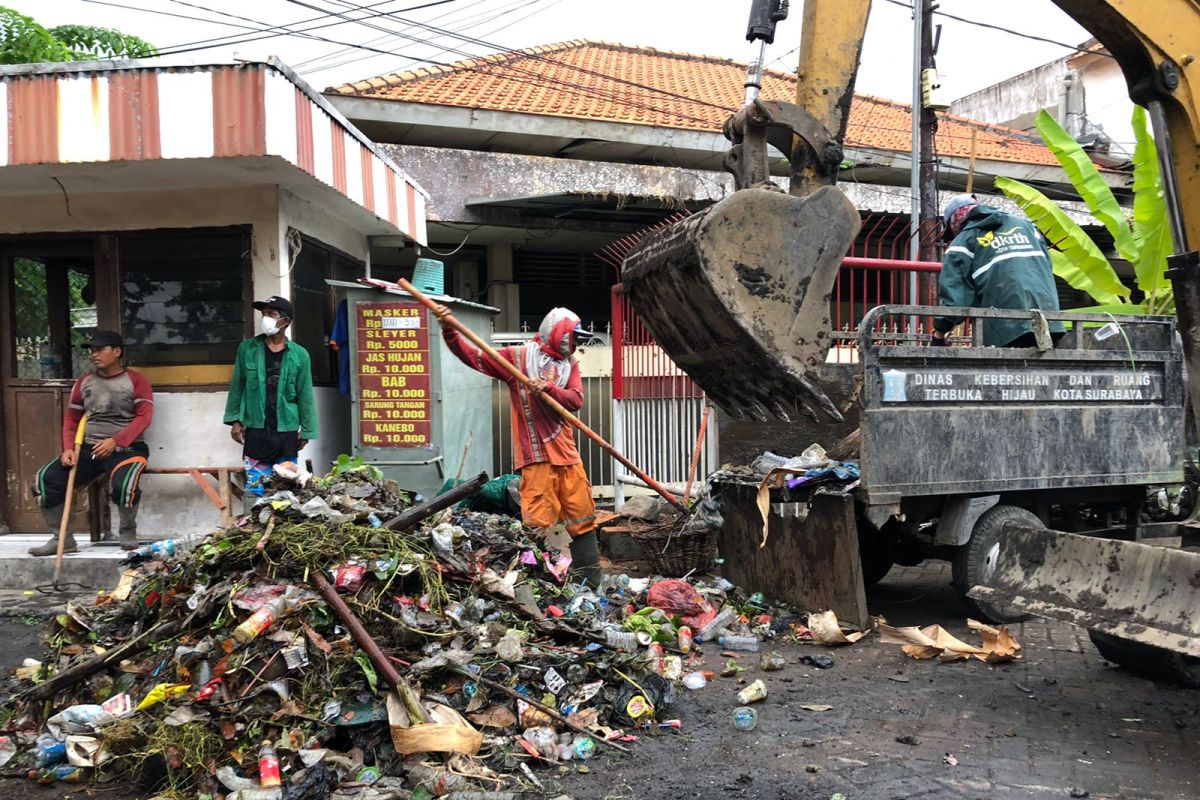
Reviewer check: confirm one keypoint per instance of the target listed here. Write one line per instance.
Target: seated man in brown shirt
(119, 404)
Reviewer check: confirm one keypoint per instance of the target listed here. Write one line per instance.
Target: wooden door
(47, 308)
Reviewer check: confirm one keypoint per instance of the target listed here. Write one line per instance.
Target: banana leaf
(1124, 309)
(1075, 277)
(1085, 268)
(1088, 182)
(1151, 227)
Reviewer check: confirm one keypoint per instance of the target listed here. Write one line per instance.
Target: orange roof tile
(640, 85)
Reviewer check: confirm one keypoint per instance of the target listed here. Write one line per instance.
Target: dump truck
(739, 296)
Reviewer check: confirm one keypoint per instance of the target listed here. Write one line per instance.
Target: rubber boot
(53, 517)
(127, 527)
(585, 559)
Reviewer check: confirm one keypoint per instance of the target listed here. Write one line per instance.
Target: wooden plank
(226, 497)
(812, 563)
(189, 470)
(203, 483)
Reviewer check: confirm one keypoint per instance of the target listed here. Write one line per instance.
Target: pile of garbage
(347, 638)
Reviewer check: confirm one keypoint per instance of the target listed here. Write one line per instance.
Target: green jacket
(997, 260)
(294, 409)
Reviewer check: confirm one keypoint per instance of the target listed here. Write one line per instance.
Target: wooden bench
(221, 495)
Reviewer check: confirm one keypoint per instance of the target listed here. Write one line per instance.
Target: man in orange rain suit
(554, 487)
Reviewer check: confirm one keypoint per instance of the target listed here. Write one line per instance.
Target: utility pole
(928, 130)
(923, 178)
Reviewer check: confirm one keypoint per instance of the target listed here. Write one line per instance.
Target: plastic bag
(675, 596)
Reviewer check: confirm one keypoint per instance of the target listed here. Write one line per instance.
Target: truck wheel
(1147, 660)
(874, 567)
(975, 560)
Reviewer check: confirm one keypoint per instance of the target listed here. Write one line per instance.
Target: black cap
(103, 338)
(280, 304)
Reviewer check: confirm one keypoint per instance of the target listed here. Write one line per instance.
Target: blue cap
(584, 334)
(957, 202)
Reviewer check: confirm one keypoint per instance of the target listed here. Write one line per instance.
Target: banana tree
(1077, 259)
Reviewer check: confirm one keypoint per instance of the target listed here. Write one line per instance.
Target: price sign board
(394, 396)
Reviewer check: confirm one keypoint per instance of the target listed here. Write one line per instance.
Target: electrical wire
(1002, 29)
(536, 78)
(344, 51)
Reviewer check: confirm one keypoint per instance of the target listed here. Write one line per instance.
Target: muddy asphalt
(1059, 723)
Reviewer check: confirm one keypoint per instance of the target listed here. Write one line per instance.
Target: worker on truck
(995, 260)
(554, 487)
(119, 404)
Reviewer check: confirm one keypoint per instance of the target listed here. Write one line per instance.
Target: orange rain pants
(551, 494)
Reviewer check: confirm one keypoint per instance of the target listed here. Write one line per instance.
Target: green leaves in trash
(368, 670)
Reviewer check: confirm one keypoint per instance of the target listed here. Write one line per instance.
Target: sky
(969, 57)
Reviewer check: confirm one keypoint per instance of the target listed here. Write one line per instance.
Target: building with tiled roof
(540, 157)
(587, 80)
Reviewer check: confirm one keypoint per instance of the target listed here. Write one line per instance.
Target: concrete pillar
(502, 292)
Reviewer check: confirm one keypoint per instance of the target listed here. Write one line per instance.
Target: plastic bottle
(584, 747)
(268, 766)
(65, 773)
(770, 662)
(685, 639)
(745, 718)
(232, 781)
(543, 740)
(48, 751)
(261, 619)
(622, 640)
(718, 623)
(749, 643)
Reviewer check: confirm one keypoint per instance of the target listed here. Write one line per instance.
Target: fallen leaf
(228, 730)
(317, 639)
(816, 707)
(826, 630)
(495, 717)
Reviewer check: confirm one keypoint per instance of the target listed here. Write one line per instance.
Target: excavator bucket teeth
(738, 295)
(1137, 592)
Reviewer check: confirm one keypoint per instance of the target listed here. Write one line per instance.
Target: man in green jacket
(996, 260)
(270, 407)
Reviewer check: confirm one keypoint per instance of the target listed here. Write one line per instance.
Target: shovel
(66, 515)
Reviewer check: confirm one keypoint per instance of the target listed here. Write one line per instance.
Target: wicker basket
(673, 551)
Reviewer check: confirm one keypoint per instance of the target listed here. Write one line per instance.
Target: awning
(255, 114)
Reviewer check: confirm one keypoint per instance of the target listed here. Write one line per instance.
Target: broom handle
(478, 341)
(66, 513)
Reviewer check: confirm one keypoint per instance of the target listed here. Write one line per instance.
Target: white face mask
(270, 326)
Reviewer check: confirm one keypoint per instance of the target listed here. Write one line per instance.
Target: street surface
(1060, 720)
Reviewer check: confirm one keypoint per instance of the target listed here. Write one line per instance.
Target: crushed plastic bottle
(48, 751)
(771, 662)
(745, 718)
(232, 781)
(748, 643)
(622, 640)
(718, 623)
(584, 747)
(543, 739)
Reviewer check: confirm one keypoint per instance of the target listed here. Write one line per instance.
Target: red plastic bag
(675, 597)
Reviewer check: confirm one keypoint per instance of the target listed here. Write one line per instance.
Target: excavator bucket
(1136, 592)
(738, 295)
